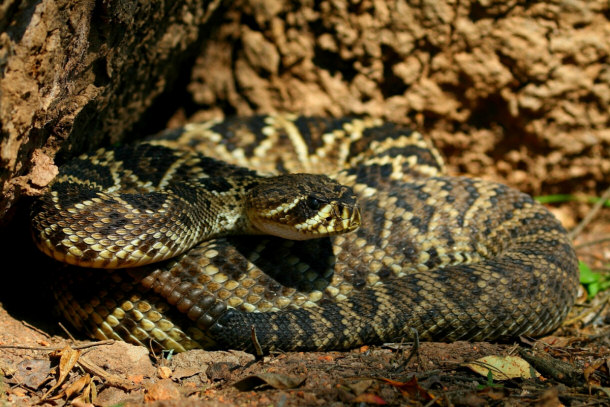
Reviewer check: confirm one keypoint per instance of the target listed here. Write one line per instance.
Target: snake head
(302, 206)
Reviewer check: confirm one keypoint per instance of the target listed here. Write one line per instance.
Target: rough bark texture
(510, 90)
(76, 74)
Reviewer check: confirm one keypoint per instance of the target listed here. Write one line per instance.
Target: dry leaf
(67, 360)
(598, 364)
(410, 388)
(77, 385)
(32, 373)
(503, 367)
(164, 372)
(360, 386)
(369, 398)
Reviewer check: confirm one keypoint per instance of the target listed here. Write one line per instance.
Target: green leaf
(561, 198)
(587, 276)
(594, 282)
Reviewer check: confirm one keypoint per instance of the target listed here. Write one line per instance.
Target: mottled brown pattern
(448, 257)
(139, 204)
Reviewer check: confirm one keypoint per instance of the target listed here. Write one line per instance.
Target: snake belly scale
(449, 257)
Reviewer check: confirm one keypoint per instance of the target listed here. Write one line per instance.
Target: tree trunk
(76, 74)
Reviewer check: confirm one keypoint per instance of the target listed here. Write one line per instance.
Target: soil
(513, 91)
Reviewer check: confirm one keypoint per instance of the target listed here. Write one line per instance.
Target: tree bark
(514, 90)
(76, 74)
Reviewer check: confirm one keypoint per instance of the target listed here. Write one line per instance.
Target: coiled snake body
(449, 257)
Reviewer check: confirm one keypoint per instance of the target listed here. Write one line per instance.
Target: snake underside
(447, 257)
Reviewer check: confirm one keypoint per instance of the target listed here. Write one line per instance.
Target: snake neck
(105, 228)
(225, 213)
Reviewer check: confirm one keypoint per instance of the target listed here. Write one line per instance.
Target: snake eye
(313, 203)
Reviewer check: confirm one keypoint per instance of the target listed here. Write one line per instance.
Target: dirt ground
(513, 91)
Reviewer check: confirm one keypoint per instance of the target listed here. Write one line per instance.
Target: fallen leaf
(558, 341)
(360, 386)
(164, 372)
(275, 380)
(410, 388)
(369, 398)
(67, 360)
(78, 385)
(503, 367)
(598, 364)
(32, 373)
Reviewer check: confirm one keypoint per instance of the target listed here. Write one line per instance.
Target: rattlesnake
(448, 257)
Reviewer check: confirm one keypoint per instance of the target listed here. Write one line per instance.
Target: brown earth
(514, 91)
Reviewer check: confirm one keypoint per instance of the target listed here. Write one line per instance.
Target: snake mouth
(350, 218)
(332, 219)
(355, 220)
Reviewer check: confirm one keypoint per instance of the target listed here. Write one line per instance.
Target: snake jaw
(351, 222)
(331, 219)
(334, 219)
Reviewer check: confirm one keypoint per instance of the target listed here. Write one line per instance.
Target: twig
(559, 370)
(598, 205)
(257, 346)
(55, 348)
(597, 313)
(109, 378)
(415, 349)
(67, 332)
(593, 242)
(40, 331)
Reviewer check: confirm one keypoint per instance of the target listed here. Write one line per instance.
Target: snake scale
(449, 258)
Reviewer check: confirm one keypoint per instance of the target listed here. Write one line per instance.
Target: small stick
(415, 349)
(54, 348)
(593, 242)
(67, 332)
(40, 331)
(598, 205)
(109, 378)
(257, 346)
